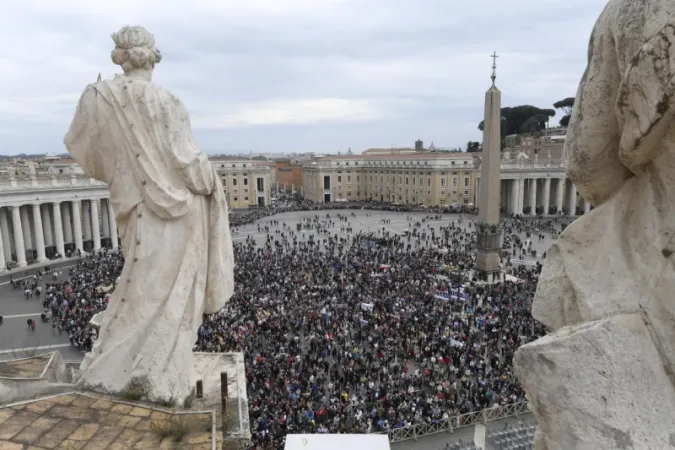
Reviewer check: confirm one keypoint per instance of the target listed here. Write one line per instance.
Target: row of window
(414, 191)
(392, 163)
(260, 182)
(467, 180)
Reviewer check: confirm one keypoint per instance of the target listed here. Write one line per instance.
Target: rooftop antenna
(494, 57)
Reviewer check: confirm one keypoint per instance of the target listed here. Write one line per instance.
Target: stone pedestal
(489, 245)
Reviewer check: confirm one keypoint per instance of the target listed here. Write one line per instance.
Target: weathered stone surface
(618, 258)
(84, 432)
(35, 430)
(24, 367)
(55, 428)
(592, 386)
(164, 190)
(56, 435)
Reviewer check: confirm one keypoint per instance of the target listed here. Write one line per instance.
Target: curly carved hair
(135, 49)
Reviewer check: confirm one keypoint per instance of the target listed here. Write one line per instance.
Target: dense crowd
(357, 332)
(372, 332)
(70, 304)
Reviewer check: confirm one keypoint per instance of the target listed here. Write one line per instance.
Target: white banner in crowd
(456, 343)
(367, 306)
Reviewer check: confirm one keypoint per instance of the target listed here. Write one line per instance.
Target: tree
(565, 105)
(472, 146)
(514, 119)
(531, 125)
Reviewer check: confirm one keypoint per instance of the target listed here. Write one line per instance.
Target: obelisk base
(489, 244)
(487, 261)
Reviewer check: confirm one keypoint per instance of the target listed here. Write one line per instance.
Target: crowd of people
(357, 332)
(370, 332)
(69, 304)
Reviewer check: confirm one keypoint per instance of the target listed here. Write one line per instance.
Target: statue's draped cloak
(173, 221)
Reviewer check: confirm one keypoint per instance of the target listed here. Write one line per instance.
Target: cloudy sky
(296, 75)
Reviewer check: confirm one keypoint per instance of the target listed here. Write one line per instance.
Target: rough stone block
(600, 385)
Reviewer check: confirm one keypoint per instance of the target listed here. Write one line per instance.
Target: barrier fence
(452, 423)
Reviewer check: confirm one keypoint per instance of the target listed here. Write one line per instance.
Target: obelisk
(488, 234)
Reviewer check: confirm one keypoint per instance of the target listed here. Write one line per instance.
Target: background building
(431, 179)
(289, 175)
(543, 143)
(246, 182)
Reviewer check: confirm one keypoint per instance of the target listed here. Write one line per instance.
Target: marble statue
(172, 218)
(604, 378)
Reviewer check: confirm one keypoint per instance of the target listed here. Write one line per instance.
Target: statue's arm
(591, 152)
(197, 172)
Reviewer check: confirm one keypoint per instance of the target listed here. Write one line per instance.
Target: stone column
(559, 194)
(47, 224)
(87, 218)
(533, 196)
(105, 219)
(19, 247)
(58, 230)
(521, 196)
(113, 225)
(39, 233)
(3, 263)
(572, 205)
(587, 206)
(95, 227)
(25, 227)
(513, 207)
(547, 195)
(67, 223)
(4, 230)
(77, 225)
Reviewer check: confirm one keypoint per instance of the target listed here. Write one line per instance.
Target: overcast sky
(296, 75)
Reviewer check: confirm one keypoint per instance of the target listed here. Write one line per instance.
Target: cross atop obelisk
(494, 57)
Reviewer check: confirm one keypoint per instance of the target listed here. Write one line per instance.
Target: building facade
(432, 179)
(41, 216)
(289, 175)
(545, 143)
(247, 183)
(537, 186)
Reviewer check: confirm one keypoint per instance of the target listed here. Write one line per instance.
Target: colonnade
(531, 196)
(39, 231)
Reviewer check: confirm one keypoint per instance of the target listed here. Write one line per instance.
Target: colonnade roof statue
(604, 378)
(172, 217)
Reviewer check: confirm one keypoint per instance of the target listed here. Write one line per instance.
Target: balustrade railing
(525, 164)
(40, 181)
(463, 420)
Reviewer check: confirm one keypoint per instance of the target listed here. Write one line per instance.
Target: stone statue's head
(135, 49)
